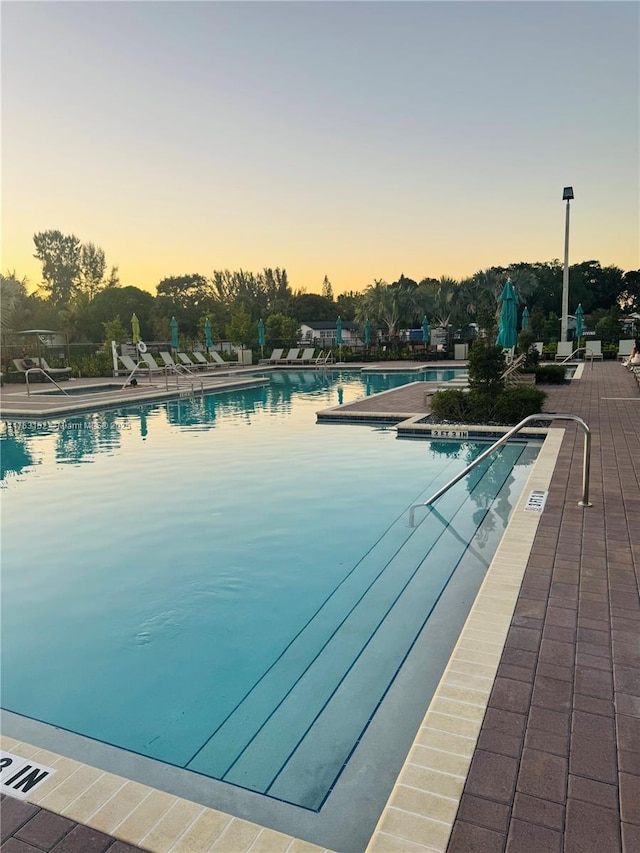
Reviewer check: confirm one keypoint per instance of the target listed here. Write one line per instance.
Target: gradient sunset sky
(357, 140)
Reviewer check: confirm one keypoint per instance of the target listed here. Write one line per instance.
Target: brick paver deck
(557, 763)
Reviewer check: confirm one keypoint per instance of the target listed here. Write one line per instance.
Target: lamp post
(567, 195)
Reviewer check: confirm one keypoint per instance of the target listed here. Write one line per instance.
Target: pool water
(220, 584)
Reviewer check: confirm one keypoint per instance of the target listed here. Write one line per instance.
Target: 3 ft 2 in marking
(19, 775)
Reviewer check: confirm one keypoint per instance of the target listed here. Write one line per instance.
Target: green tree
(347, 304)
(92, 268)
(60, 257)
(311, 306)
(629, 298)
(13, 298)
(185, 297)
(281, 329)
(114, 330)
(239, 327)
(327, 290)
(120, 302)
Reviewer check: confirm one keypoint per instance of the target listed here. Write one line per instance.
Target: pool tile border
(422, 806)
(420, 812)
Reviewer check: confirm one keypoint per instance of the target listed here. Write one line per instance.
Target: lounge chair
(130, 366)
(200, 359)
(594, 350)
(624, 348)
(22, 368)
(192, 365)
(275, 356)
(307, 355)
(219, 360)
(167, 360)
(54, 371)
(565, 350)
(151, 363)
(291, 356)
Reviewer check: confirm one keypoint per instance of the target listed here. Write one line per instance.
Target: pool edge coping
(441, 756)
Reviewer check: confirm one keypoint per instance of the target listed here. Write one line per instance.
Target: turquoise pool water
(222, 585)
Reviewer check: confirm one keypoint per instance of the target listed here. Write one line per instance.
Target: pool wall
(424, 800)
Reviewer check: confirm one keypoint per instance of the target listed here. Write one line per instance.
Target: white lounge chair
(307, 355)
(130, 366)
(54, 371)
(200, 359)
(565, 349)
(219, 360)
(192, 365)
(291, 356)
(273, 358)
(168, 360)
(594, 350)
(151, 363)
(624, 348)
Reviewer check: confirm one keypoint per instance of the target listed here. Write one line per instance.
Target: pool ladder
(586, 461)
(43, 371)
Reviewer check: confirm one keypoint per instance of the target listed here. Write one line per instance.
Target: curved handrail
(48, 375)
(538, 417)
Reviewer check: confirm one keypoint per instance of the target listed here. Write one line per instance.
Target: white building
(322, 333)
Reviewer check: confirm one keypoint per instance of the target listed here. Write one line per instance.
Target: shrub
(98, 364)
(551, 374)
(475, 407)
(486, 365)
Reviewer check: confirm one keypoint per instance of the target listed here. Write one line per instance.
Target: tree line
(80, 296)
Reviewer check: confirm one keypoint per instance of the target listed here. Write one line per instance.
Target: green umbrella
(525, 319)
(260, 333)
(367, 332)
(507, 328)
(425, 330)
(579, 320)
(208, 339)
(339, 331)
(174, 334)
(135, 329)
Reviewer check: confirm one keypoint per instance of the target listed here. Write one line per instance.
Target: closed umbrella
(367, 332)
(339, 335)
(579, 321)
(174, 334)
(208, 339)
(261, 336)
(525, 319)
(425, 330)
(507, 327)
(135, 329)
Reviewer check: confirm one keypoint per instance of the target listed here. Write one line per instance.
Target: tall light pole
(567, 195)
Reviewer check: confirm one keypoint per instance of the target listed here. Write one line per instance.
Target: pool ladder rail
(586, 462)
(44, 372)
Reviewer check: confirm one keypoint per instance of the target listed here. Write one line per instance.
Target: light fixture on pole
(567, 195)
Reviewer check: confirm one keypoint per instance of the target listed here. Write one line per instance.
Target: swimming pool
(238, 589)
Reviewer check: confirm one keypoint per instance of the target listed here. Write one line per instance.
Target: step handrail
(48, 375)
(586, 462)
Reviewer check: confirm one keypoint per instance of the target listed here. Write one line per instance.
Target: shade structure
(425, 330)
(339, 331)
(525, 319)
(260, 333)
(367, 332)
(174, 333)
(507, 327)
(579, 320)
(135, 329)
(208, 338)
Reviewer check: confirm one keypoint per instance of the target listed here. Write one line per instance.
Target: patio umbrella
(208, 339)
(525, 319)
(261, 336)
(507, 328)
(38, 333)
(579, 320)
(425, 330)
(135, 329)
(367, 332)
(339, 334)
(174, 333)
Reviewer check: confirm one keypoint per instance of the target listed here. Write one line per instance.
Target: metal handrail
(190, 377)
(48, 375)
(586, 462)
